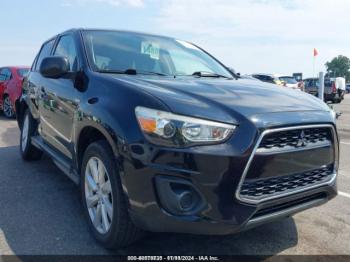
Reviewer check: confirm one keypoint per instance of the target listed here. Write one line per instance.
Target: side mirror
(54, 66)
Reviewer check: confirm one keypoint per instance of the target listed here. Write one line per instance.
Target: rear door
(32, 83)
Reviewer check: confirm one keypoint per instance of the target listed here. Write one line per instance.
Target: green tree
(339, 67)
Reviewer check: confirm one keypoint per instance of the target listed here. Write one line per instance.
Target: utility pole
(321, 86)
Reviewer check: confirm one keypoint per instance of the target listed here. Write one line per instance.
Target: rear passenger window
(5, 74)
(2, 75)
(45, 52)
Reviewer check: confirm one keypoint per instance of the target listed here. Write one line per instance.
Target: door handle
(42, 92)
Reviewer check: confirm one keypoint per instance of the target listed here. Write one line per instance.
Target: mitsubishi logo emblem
(302, 139)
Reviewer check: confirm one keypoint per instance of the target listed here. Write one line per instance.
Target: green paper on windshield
(151, 49)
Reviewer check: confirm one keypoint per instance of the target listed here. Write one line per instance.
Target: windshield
(22, 72)
(289, 80)
(121, 51)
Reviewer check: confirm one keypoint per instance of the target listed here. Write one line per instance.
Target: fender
(20, 105)
(104, 129)
(116, 141)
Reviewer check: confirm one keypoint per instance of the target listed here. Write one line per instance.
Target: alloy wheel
(98, 195)
(7, 107)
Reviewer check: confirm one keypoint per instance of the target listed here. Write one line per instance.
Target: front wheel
(103, 198)
(28, 151)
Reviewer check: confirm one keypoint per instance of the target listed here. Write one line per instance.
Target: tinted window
(328, 82)
(22, 72)
(5, 74)
(32, 68)
(2, 76)
(308, 83)
(66, 48)
(45, 52)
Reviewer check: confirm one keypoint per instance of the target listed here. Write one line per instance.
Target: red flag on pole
(315, 52)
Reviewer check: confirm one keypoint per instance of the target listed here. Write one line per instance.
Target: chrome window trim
(269, 131)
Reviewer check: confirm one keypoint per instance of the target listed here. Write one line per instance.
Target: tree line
(339, 67)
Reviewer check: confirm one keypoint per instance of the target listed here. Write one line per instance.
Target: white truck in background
(340, 85)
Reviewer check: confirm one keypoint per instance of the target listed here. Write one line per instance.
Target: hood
(210, 97)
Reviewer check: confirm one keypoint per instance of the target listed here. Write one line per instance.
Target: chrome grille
(296, 138)
(281, 141)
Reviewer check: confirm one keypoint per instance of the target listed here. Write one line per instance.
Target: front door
(59, 104)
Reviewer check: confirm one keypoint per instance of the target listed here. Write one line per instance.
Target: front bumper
(216, 172)
(251, 216)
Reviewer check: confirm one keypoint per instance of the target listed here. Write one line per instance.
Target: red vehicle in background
(11, 88)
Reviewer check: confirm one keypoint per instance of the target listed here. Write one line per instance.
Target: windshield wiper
(112, 71)
(129, 72)
(150, 73)
(209, 74)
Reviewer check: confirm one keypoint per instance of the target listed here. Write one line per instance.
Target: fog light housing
(186, 200)
(179, 197)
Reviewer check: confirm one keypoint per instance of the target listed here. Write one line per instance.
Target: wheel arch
(5, 94)
(20, 107)
(91, 133)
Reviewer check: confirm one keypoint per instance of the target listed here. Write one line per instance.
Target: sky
(251, 36)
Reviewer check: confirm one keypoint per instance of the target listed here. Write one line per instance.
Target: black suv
(162, 137)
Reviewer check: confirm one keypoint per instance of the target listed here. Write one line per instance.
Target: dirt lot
(40, 213)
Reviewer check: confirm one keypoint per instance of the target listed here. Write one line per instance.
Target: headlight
(175, 130)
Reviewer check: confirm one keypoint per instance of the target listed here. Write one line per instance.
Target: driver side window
(66, 48)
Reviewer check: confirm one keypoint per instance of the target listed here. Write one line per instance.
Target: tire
(104, 193)
(7, 107)
(28, 129)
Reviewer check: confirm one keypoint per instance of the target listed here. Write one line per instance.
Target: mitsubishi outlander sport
(162, 137)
